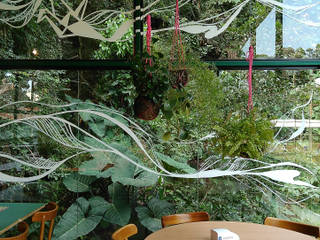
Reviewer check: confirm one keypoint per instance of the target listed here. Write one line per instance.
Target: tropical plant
(150, 215)
(151, 80)
(107, 185)
(207, 95)
(247, 136)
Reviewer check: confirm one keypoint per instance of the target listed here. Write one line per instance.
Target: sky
(294, 33)
(266, 36)
(297, 34)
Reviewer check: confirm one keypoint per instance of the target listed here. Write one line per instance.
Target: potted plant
(151, 82)
(180, 77)
(247, 136)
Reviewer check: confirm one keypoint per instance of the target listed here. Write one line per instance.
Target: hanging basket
(180, 78)
(177, 67)
(145, 108)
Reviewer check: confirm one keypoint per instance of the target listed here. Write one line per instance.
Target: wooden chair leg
(51, 229)
(42, 230)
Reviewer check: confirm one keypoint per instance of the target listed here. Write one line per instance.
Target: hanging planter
(152, 83)
(146, 83)
(145, 108)
(177, 61)
(180, 78)
(151, 79)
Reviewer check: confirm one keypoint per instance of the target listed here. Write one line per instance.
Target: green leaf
(143, 179)
(94, 143)
(146, 219)
(85, 116)
(235, 147)
(94, 167)
(166, 136)
(121, 168)
(78, 183)
(127, 173)
(76, 221)
(119, 211)
(160, 207)
(150, 216)
(178, 165)
(98, 206)
(98, 128)
(115, 117)
(72, 100)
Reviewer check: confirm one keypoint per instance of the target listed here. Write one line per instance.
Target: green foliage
(126, 173)
(46, 85)
(248, 136)
(122, 179)
(151, 81)
(207, 93)
(115, 88)
(119, 211)
(80, 219)
(118, 49)
(78, 183)
(224, 199)
(117, 191)
(150, 216)
(176, 101)
(94, 167)
(176, 165)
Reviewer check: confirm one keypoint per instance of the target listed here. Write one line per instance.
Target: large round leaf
(78, 183)
(78, 220)
(150, 216)
(127, 173)
(119, 211)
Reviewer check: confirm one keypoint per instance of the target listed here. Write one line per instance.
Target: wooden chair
(294, 226)
(23, 227)
(125, 232)
(184, 218)
(48, 214)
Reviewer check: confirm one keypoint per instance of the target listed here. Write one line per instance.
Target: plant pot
(145, 108)
(180, 78)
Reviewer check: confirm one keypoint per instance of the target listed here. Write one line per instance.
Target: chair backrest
(294, 226)
(184, 218)
(48, 214)
(23, 228)
(125, 232)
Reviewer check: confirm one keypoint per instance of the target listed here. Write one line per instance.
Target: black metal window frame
(232, 64)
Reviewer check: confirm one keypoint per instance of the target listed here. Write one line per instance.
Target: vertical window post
(138, 27)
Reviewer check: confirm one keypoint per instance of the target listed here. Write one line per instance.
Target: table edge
(221, 221)
(21, 219)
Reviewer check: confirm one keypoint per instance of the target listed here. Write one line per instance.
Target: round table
(246, 231)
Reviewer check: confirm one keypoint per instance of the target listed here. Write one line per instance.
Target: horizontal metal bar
(66, 64)
(241, 64)
(267, 64)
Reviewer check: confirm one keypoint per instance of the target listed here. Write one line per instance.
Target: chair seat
(125, 232)
(23, 228)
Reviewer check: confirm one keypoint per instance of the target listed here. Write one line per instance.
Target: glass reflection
(266, 36)
(297, 31)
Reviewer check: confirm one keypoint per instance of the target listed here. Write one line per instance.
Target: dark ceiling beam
(258, 64)
(267, 64)
(65, 64)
